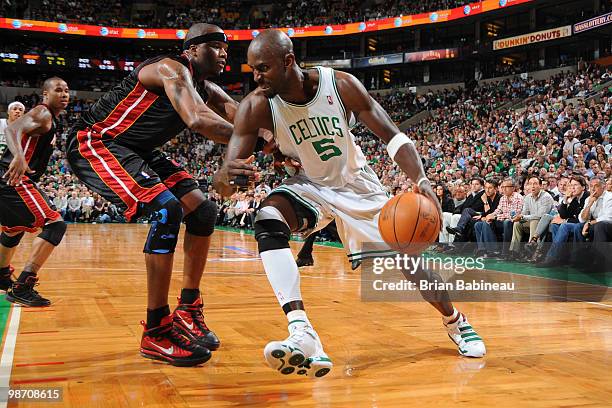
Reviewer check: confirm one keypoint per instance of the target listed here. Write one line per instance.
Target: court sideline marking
(8, 351)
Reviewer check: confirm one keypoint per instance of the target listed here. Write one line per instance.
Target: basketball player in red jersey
(23, 207)
(112, 149)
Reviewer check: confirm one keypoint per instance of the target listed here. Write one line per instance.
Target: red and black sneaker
(165, 343)
(6, 277)
(189, 320)
(24, 293)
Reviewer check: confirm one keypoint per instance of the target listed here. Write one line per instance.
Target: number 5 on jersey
(326, 149)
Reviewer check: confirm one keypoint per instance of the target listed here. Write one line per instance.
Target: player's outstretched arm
(250, 116)
(370, 113)
(178, 85)
(35, 122)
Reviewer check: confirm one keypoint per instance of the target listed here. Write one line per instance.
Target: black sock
(293, 305)
(155, 316)
(25, 275)
(189, 295)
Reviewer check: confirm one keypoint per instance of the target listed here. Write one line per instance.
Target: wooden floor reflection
(385, 354)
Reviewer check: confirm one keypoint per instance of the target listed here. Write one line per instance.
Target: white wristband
(396, 142)
(422, 179)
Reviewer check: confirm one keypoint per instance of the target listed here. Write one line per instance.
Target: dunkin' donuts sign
(531, 38)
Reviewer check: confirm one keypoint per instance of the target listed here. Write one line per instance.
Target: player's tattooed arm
(253, 113)
(369, 112)
(221, 102)
(35, 122)
(178, 85)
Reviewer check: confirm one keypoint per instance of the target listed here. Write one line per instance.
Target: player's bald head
(51, 83)
(201, 29)
(271, 56)
(273, 43)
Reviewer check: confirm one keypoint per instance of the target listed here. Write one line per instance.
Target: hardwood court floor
(385, 354)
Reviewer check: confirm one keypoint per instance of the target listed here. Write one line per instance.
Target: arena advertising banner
(532, 38)
(245, 35)
(388, 59)
(431, 55)
(592, 23)
(342, 63)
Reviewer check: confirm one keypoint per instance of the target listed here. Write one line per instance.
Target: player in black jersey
(112, 149)
(23, 207)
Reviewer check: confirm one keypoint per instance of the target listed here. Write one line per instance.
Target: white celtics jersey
(3, 126)
(317, 134)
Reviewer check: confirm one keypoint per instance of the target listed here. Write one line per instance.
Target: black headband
(221, 37)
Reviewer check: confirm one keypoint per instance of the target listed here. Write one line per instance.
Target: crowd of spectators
(77, 11)
(510, 160)
(478, 144)
(513, 175)
(227, 13)
(238, 14)
(470, 133)
(224, 13)
(391, 8)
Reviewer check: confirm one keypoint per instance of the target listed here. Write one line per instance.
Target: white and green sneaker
(286, 356)
(317, 365)
(465, 337)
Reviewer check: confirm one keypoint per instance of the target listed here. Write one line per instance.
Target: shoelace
(298, 335)
(197, 314)
(175, 337)
(181, 340)
(33, 284)
(30, 283)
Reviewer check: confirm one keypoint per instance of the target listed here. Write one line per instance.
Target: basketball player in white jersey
(15, 110)
(309, 113)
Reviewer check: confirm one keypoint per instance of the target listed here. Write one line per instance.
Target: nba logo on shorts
(330, 100)
(145, 175)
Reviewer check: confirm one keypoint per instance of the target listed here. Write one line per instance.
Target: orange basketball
(409, 223)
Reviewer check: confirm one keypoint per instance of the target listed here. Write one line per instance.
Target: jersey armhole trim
(348, 120)
(273, 119)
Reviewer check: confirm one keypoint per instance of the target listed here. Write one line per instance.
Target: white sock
(450, 318)
(283, 275)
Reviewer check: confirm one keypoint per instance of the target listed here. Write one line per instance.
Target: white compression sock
(283, 274)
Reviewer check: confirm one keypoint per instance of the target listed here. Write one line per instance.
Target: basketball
(409, 223)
